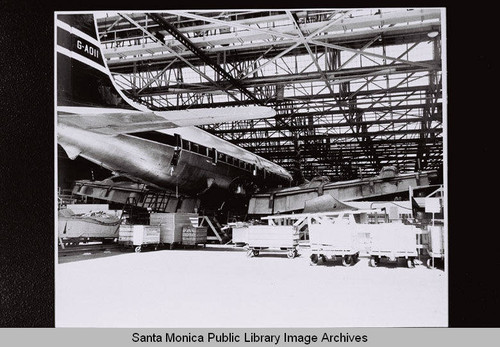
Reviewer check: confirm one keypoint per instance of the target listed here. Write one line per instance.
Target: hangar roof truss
(354, 90)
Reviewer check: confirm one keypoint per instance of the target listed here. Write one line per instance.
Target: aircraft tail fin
(83, 78)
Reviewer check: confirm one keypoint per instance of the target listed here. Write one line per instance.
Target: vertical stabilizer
(83, 78)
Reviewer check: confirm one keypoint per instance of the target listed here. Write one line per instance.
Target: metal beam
(306, 39)
(386, 57)
(411, 119)
(154, 79)
(334, 77)
(175, 53)
(315, 61)
(122, 58)
(345, 135)
(200, 54)
(230, 24)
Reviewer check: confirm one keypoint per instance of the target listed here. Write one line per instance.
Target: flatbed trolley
(393, 241)
(336, 235)
(269, 237)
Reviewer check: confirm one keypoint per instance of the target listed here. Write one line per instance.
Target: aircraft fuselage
(157, 159)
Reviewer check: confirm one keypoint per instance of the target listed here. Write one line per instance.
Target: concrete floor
(221, 287)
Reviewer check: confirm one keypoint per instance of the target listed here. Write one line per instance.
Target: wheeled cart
(334, 237)
(435, 247)
(271, 237)
(240, 235)
(348, 258)
(393, 241)
(139, 236)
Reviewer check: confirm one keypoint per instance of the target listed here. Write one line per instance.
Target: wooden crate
(171, 225)
(194, 235)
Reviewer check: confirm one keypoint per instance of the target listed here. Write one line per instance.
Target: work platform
(136, 194)
(379, 187)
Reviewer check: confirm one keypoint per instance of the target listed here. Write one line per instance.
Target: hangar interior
(358, 95)
(359, 127)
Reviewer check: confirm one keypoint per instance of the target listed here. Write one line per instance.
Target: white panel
(432, 205)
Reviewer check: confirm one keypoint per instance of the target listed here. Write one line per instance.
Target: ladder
(156, 201)
(221, 233)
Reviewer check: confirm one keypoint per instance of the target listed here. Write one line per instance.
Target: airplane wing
(118, 121)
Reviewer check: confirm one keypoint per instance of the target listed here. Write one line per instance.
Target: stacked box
(194, 235)
(171, 225)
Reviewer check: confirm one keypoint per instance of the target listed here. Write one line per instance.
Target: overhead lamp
(433, 34)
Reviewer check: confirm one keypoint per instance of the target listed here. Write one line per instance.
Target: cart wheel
(291, 254)
(410, 263)
(323, 258)
(347, 260)
(255, 253)
(138, 249)
(356, 257)
(314, 260)
(429, 264)
(373, 262)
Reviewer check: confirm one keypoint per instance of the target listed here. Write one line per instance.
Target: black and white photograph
(260, 168)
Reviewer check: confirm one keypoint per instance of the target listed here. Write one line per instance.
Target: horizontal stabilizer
(71, 152)
(120, 121)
